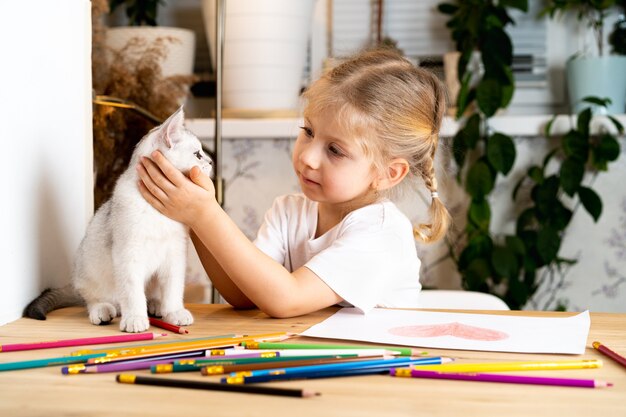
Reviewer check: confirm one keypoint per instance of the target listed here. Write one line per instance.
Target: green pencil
(403, 351)
(40, 363)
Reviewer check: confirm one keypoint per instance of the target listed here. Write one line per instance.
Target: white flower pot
(180, 51)
(265, 50)
(600, 77)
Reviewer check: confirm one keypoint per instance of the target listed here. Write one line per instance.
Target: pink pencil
(80, 342)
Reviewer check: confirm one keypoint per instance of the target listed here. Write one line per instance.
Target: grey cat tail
(52, 299)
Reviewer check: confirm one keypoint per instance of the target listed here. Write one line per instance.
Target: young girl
(370, 126)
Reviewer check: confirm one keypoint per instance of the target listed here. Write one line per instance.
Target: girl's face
(331, 167)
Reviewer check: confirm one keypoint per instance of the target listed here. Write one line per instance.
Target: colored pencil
(183, 346)
(317, 352)
(372, 363)
(175, 342)
(40, 363)
(167, 326)
(197, 364)
(226, 369)
(509, 379)
(198, 354)
(112, 367)
(150, 356)
(403, 350)
(178, 383)
(611, 354)
(131, 364)
(326, 370)
(226, 359)
(514, 366)
(13, 347)
(238, 380)
(89, 351)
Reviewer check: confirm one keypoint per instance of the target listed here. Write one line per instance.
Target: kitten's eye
(307, 131)
(198, 154)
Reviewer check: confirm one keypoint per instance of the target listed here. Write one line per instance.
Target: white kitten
(133, 259)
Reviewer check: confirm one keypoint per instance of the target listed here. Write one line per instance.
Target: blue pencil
(372, 363)
(40, 363)
(234, 380)
(328, 370)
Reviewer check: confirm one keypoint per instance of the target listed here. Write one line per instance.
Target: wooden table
(46, 392)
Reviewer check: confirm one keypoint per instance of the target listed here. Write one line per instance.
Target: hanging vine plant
(486, 85)
(508, 265)
(541, 226)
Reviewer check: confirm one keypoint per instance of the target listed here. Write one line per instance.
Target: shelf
(274, 128)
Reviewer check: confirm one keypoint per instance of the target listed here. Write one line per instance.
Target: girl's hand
(173, 194)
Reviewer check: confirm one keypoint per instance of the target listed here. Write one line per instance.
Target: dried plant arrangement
(132, 74)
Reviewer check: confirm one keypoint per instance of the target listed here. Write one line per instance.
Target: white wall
(46, 191)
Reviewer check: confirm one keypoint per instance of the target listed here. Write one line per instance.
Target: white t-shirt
(369, 259)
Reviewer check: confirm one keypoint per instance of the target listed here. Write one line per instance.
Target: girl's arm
(218, 277)
(265, 282)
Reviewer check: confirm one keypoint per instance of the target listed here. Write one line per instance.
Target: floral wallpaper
(258, 170)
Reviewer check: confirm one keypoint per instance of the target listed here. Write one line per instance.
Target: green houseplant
(486, 85)
(139, 12)
(617, 37)
(593, 72)
(556, 189)
(513, 265)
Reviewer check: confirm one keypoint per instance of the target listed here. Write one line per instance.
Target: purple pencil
(143, 363)
(509, 379)
(112, 367)
(245, 354)
(146, 363)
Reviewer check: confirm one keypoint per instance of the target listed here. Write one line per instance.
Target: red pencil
(167, 326)
(608, 352)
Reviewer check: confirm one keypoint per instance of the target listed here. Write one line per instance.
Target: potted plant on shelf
(617, 37)
(265, 51)
(143, 29)
(593, 72)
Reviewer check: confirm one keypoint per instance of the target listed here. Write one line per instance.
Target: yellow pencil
(187, 346)
(136, 346)
(225, 341)
(512, 366)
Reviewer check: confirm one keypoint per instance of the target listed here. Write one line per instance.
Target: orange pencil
(167, 326)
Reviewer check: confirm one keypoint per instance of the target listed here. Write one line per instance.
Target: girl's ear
(396, 171)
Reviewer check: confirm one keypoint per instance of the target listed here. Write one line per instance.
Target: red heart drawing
(455, 329)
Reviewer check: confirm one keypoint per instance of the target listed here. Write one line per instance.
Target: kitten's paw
(154, 308)
(180, 317)
(102, 313)
(134, 324)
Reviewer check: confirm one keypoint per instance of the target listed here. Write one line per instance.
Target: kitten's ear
(170, 130)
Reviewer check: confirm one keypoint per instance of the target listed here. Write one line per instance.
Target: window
(420, 31)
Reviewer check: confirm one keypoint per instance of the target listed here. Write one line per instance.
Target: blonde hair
(395, 110)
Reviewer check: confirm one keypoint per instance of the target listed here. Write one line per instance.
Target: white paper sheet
(465, 331)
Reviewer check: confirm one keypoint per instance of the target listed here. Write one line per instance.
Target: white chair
(460, 300)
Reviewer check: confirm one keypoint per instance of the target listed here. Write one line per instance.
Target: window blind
(420, 31)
